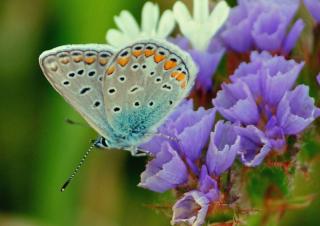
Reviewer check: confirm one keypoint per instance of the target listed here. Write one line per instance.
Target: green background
(39, 150)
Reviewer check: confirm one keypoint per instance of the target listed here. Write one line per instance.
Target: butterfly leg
(138, 152)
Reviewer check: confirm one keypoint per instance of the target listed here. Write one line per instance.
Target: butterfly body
(124, 95)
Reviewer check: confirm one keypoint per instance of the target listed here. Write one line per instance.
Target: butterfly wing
(143, 84)
(76, 72)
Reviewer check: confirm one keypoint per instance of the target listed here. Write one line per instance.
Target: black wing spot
(144, 66)
(80, 72)
(116, 109)
(90, 54)
(100, 78)
(97, 104)
(112, 91)
(135, 66)
(125, 53)
(158, 80)
(138, 47)
(162, 53)
(91, 73)
(71, 74)
(151, 103)
(152, 73)
(137, 104)
(166, 86)
(122, 78)
(66, 83)
(104, 55)
(85, 90)
(170, 102)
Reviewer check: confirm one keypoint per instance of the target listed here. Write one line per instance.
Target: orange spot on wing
(175, 74)
(137, 53)
(103, 61)
(77, 59)
(90, 60)
(148, 52)
(65, 61)
(181, 77)
(111, 69)
(169, 65)
(184, 84)
(158, 58)
(123, 61)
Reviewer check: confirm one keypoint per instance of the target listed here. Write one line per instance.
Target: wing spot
(135, 67)
(85, 90)
(116, 109)
(71, 74)
(100, 78)
(104, 55)
(170, 102)
(91, 73)
(137, 104)
(135, 89)
(122, 78)
(158, 79)
(80, 72)
(96, 104)
(151, 103)
(152, 73)
(66, 83)
(112, 91)
(125, 53)
(167, 87)
(144, 66)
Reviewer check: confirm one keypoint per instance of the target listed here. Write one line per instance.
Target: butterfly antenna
(76, 170)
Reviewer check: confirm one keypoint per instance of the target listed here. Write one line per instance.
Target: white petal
(166, 24)
(200, 10)
(116, 38)
(150, 17)
(181, 14)
(218, 17)
(126, 23)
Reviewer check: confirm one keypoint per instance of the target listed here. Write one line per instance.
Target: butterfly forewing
(76, 72)
(143, 84)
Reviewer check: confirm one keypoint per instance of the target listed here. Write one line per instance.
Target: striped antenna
(76, 170)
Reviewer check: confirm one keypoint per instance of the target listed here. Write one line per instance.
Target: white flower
(204, 25)
(152, 26)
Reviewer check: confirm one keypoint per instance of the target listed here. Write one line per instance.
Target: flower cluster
(262, 25)
(262, 101)
(183, 163)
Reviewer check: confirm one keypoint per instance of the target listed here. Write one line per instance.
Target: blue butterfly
(124, 95)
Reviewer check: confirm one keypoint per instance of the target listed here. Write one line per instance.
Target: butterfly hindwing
(143, 84)
(76, 72)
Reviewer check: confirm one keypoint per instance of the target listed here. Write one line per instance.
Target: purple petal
(318, 79)
(208, 185)
(194, 138)
(293, 36)
(269, 30)
(192, 209)
(314, 8)
(223, 147)
(276, 134)
(254, 145)
(207, 63)
(235, 102)
(278, 76)
(164, 172)
(296, 110)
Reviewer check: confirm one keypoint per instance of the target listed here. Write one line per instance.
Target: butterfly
(126, 94)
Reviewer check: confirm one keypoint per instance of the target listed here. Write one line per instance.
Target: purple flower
(190, 128)
(262, 25)
(254, 145)
(223, 147)
(164, 172)
(192, 208)
(207, 61)
(318, 78)
(296, 110)
(260, 100)
(314, 8)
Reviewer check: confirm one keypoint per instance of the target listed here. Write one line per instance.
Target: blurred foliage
(39, 150)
